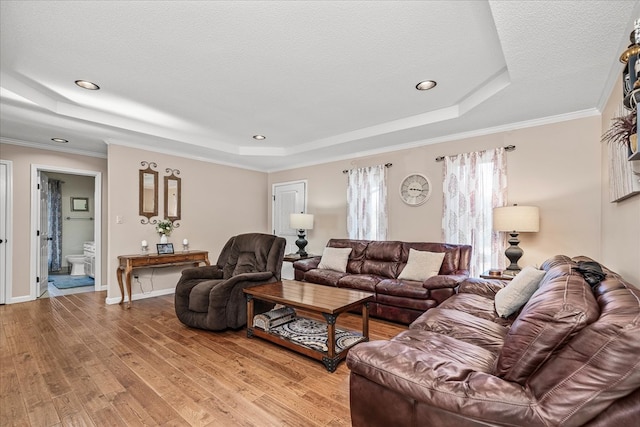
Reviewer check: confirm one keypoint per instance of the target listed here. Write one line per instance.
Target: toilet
(77, 264)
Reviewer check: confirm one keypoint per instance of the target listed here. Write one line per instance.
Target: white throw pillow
(421, 265)
(516, 294)
(335, 259)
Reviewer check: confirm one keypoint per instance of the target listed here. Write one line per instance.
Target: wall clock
(415, 189)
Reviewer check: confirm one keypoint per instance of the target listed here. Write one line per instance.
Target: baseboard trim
(152, 294)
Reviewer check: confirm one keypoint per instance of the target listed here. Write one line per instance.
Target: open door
(43, 250)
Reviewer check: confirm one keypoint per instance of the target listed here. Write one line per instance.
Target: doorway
(84, 225)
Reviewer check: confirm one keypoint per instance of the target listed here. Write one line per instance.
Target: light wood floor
(73, 360)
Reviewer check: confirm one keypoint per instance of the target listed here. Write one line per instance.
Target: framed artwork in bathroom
(80, 204)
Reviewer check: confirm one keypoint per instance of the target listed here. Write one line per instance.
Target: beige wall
(23, 158)
(217, 203)
(620, 221)
(555, 167)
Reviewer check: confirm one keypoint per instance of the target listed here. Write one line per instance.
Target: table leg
(331, 334)
(365, 321)
(127, 274)
(249, 316)
(119, 272)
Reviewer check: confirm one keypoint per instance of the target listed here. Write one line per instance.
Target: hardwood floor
(73, 360)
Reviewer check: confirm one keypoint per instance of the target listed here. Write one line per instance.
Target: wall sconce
(301, 222)
(514, 220)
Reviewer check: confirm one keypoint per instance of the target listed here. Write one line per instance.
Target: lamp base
(513, 253)
(301, 243)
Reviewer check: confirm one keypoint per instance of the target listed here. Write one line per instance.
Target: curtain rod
(386, 165)
(76, 217)
(507, 148)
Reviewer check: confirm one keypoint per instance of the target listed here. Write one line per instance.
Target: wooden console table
(127, 263)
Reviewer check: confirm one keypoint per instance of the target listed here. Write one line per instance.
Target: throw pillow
(421, 265)
(513, 296)
(335, 259)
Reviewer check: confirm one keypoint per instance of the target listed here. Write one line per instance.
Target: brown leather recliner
(212, 297)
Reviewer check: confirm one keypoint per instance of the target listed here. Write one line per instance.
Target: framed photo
(164, 248)
(80, 204)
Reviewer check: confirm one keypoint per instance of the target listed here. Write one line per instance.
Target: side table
(502, 276)
(127, 263)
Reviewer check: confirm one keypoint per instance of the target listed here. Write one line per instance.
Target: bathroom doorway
(66, 248)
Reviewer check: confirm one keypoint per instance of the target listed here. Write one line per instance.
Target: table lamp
(514, 220)
(301, 222)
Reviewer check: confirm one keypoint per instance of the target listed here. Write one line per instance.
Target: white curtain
(475, 183)
(367, 203)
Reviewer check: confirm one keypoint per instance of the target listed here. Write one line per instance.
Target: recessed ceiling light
(426, 85)
(60, 140)
(87, 85)
(259, 137)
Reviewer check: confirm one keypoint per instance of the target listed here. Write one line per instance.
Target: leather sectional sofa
(374, 266)
(570, 356)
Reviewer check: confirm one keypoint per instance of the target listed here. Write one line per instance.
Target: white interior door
(43, 252)
(288, 198)
(4, 231)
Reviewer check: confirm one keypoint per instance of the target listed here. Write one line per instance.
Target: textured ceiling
(322, 80)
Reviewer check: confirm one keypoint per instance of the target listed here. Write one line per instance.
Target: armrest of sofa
(307, 263)
(484, 287)
(205, 272)
(443, 281)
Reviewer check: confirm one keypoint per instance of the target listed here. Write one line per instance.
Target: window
(475, 183)
(367, 203)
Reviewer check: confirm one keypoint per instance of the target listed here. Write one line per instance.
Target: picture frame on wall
(165, 248)
(80, 204)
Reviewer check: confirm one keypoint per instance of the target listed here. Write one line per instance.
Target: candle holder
(185, 247)
(144, 248)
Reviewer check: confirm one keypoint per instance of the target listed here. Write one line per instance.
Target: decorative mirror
(172, 195)
(148, 191)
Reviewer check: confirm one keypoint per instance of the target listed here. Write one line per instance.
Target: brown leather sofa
(570, 357)
(374, 266)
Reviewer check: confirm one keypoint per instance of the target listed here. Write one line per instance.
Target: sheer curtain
(367, 203)
(475, 183)
(55, 224)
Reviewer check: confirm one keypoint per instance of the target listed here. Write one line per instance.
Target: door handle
(1, 241)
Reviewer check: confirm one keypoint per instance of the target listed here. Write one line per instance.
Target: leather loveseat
(375, 266)
(569, 357)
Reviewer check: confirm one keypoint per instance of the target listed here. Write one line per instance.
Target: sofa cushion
(402, 288)
(421, 265)
(509, 299)
(324, 277)
(356, 258)
(557, 311)
(199, 296)
(476, 305)
(382, 258)
(463, 326)
(246, 263)
(361, 282)
(335, 259)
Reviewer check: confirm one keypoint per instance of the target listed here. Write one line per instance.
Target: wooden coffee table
(328, 301)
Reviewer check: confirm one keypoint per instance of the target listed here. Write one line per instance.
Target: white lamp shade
(301, 221)
(516, 218)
